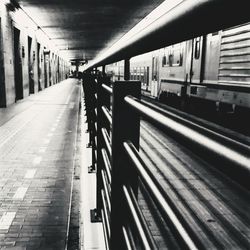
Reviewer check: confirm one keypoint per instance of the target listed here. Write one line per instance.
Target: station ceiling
(83, 28)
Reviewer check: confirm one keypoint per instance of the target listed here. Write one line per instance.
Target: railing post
(89, 85)
(103, 70)
(102, 99)
(88, 96)
(93, 101)
(125, 126)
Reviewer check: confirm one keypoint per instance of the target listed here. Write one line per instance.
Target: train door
(45, 72)
(39, 66)
(59, 69)
(18, 66)
(147, 77)
(56, 71)
(154, 82)
(46, 67)
(2, 82)
(212, 46)
(30, 67)
(50, 74)
(197, 57)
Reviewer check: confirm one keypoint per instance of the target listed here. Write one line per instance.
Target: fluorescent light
(6, 1)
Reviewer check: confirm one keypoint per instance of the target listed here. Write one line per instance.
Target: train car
(140, 70)
(224, 72)
(213, 70)
(115, 71)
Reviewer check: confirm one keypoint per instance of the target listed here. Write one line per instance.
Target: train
(211, 71)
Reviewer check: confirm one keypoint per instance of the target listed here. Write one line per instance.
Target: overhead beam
(189, 19)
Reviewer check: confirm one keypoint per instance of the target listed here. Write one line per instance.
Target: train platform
(40, 164)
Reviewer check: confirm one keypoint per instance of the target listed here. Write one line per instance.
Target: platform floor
(37, 149)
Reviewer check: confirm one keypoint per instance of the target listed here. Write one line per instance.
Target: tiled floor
(37, 145)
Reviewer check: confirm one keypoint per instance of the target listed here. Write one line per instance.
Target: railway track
(213, 206)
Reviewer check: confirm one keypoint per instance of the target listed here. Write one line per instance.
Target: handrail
(165, 208)
(217, 148)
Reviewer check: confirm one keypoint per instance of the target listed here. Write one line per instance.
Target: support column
(127, 69)
(103, 70)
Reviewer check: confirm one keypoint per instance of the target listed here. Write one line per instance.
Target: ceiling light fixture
(12, 5)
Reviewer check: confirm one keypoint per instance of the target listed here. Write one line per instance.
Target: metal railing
(115, 146)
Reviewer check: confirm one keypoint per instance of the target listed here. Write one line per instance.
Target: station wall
(29, 62)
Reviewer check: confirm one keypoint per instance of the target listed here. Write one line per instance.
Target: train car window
(170, 59)
(153, 67)
(215, 33)
(197, 48)
(142, 75)
(164, 61)
(175, 56)
(180, 61)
